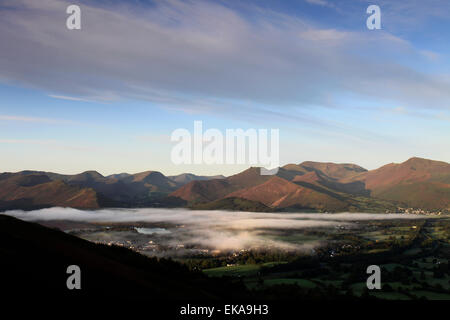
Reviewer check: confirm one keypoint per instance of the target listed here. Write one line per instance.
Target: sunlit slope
(37, 191)
(417, 182)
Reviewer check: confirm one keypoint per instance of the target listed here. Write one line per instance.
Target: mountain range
(317, 186)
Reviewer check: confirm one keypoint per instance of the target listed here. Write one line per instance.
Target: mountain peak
(92, 173)
(188, 177)
(333, 170)
(143, 175)
(417, 160)
(87, 175)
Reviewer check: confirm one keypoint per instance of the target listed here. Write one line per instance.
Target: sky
(108, 97)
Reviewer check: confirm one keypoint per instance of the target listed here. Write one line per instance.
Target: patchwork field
(413, 257)
(276, 255)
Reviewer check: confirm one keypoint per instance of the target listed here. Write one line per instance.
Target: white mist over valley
(181, 232)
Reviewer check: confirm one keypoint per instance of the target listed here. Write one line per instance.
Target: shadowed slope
(38, 191)
(418, 183)
(280, 193)
(35, 258)
(184, 178)
(201, 191)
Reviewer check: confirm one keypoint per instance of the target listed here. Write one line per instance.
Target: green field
(413, 257)
(245, 270)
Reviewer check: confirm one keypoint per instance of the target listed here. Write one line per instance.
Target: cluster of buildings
(420, 211)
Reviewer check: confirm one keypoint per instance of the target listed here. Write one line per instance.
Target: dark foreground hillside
(34, 260)
(33, 267)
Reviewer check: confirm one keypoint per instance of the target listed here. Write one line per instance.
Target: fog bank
(220, 230)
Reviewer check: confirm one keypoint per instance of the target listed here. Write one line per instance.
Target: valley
(308, 232)
(279, 255)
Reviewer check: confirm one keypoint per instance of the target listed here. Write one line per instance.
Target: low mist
(216, 230)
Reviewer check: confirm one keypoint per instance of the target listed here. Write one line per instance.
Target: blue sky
(107, 97)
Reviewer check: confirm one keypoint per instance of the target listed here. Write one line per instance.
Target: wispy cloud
(68, 98)
(430, 55)
(53, 144)
(4, 117)
(322, 3)
(430, 115)
(207, 51)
